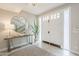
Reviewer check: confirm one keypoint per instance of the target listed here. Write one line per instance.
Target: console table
(11, 38)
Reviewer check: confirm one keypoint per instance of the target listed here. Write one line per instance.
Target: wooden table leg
(8, 45)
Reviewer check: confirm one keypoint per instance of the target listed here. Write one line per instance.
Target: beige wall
(28, 16)
(5, 18)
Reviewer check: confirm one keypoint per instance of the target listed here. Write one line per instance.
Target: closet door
(56, 27)
(44, 30)
(52, 29)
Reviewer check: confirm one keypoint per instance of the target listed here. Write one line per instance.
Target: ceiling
(34, 8)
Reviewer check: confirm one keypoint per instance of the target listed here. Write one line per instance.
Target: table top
(18, 36)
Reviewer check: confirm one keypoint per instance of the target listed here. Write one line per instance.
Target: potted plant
(35, 29)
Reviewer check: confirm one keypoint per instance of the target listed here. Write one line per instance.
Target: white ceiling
(38, 9)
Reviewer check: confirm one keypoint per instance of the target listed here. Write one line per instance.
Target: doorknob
(48, 32)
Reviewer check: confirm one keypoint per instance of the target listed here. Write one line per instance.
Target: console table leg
(8, 45)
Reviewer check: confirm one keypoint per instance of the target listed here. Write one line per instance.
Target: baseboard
(74, 52)
(46, 42)
(56, 45)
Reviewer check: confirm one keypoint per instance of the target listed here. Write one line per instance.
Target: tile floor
(52, 49)
(57, 51)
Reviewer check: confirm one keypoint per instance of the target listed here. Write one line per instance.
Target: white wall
(74, 28)
(55, 35)
(55, 26)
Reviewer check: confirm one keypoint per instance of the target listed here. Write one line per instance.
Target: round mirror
(20, 24)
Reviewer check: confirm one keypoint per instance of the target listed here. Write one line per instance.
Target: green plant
(35, 29)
